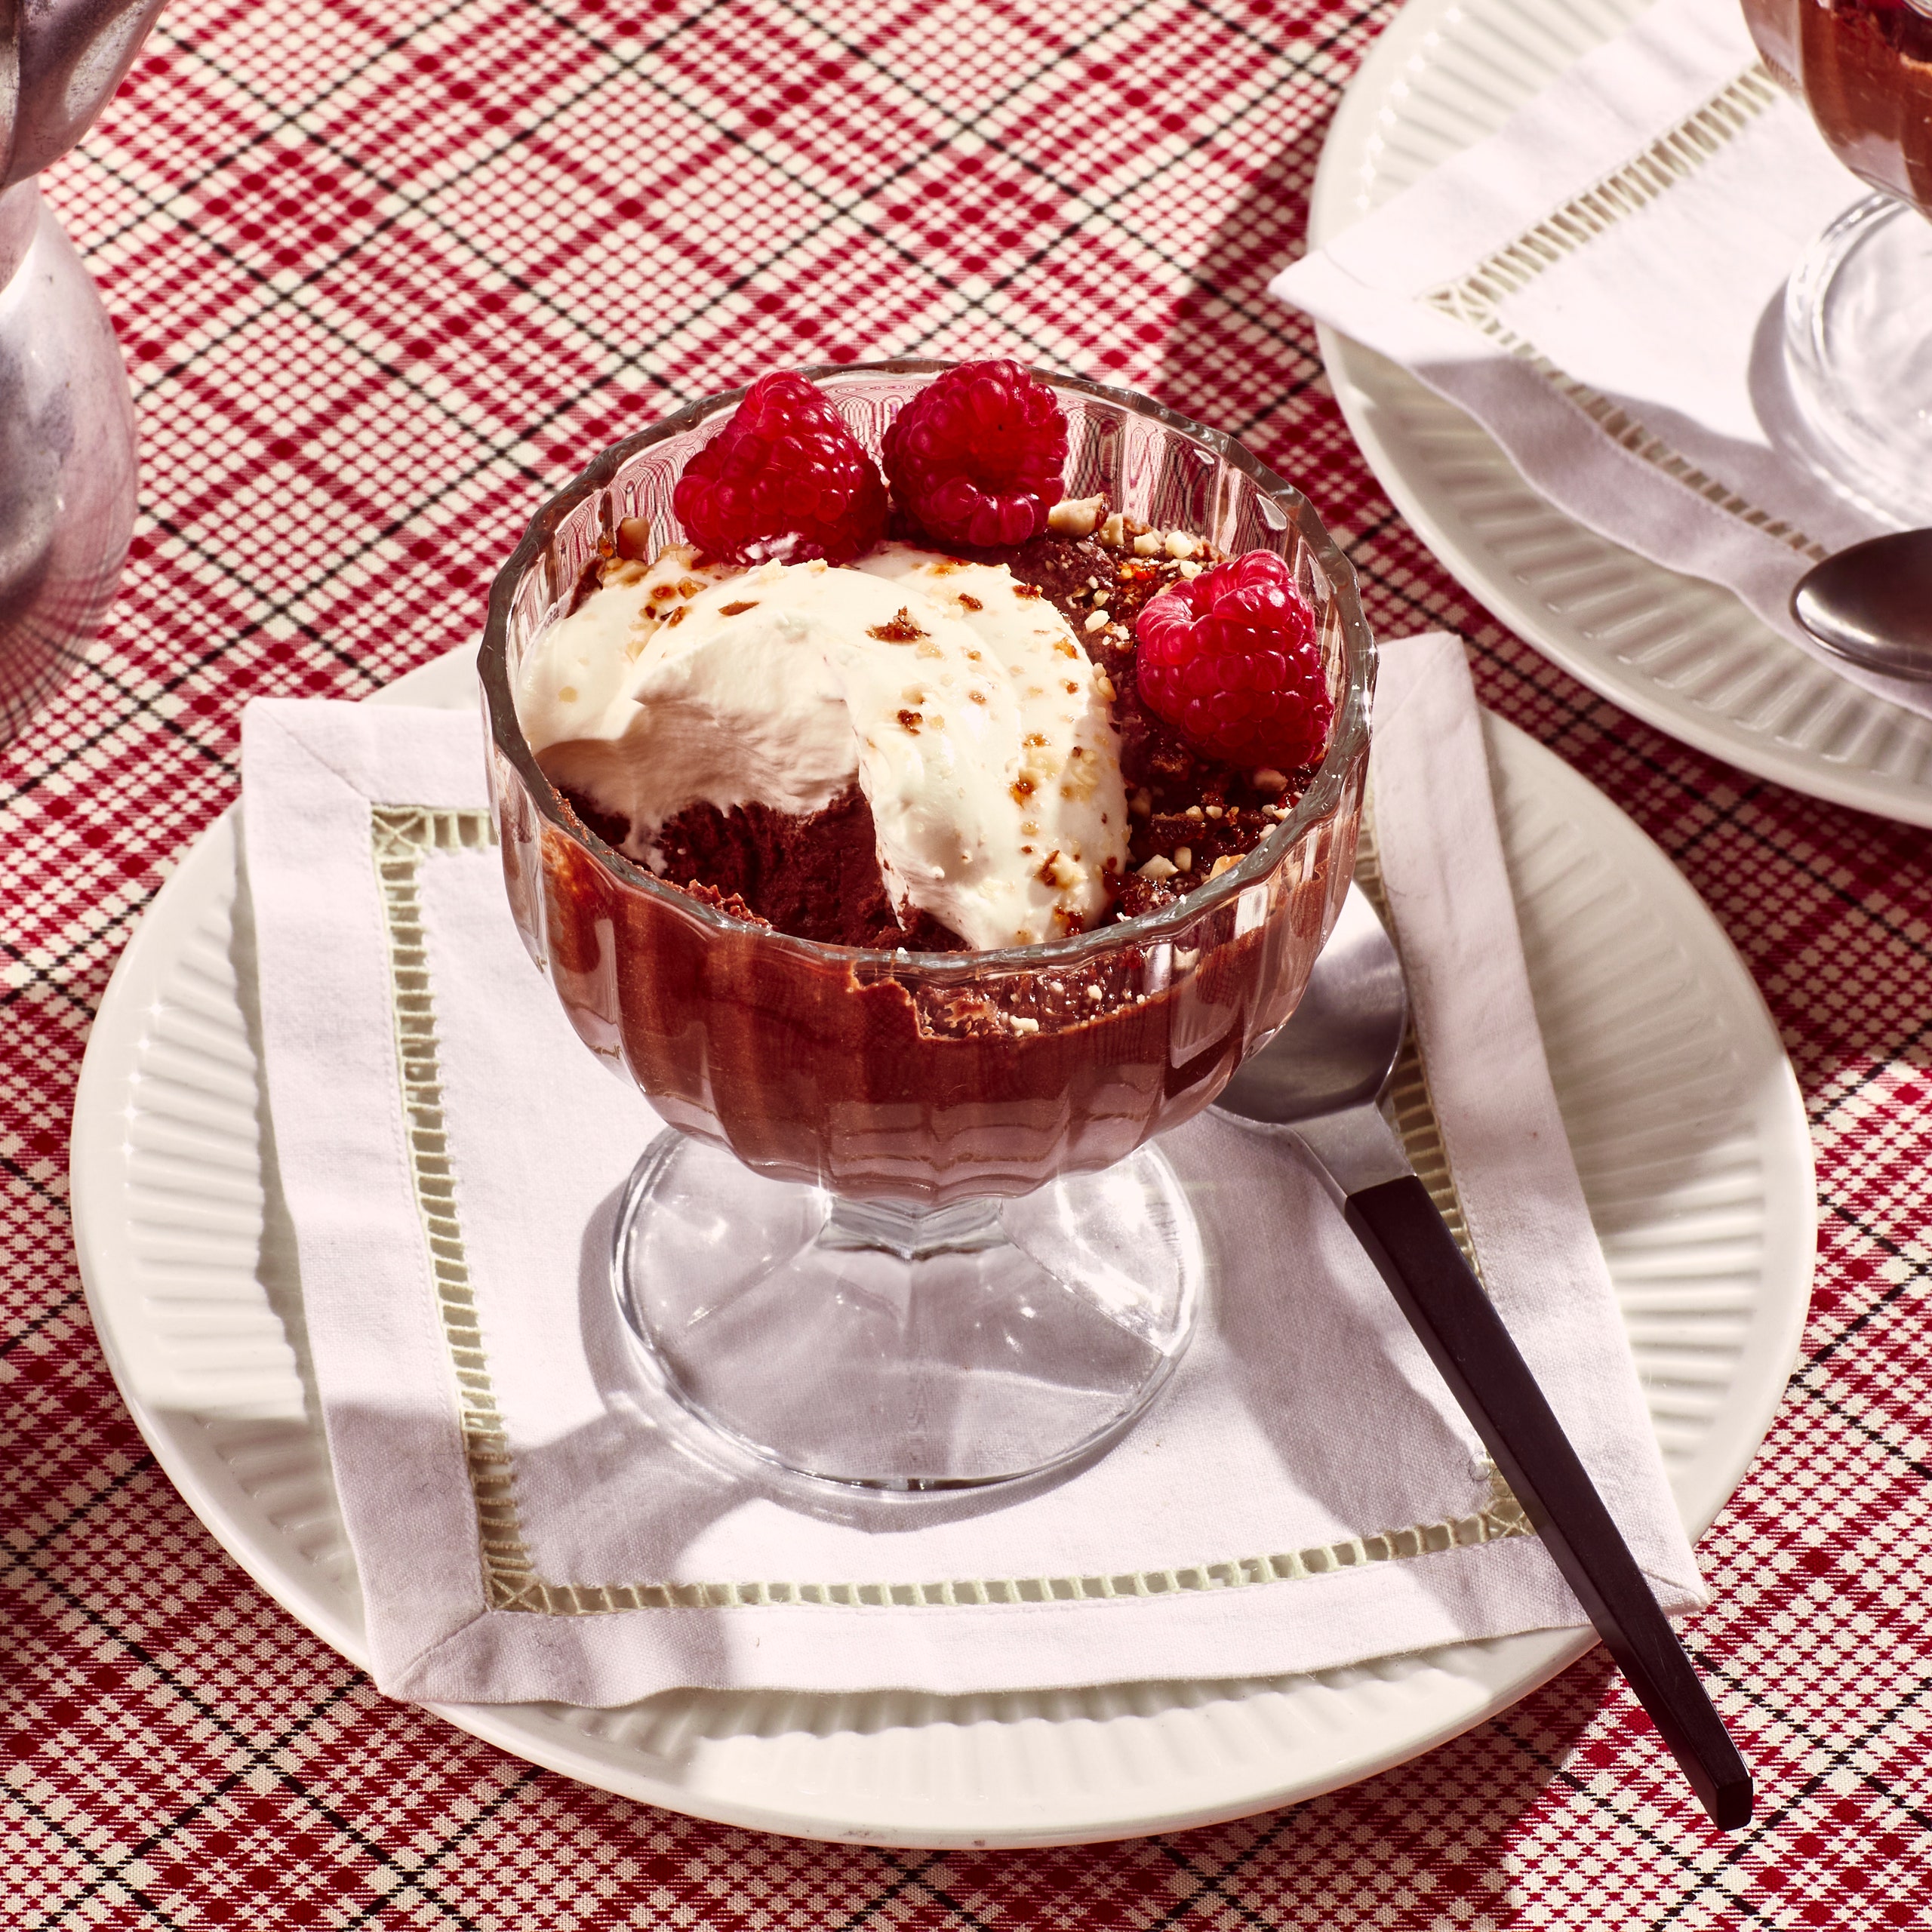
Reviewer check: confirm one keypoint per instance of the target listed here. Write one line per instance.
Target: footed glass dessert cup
(897, 1235)
(1857, 353)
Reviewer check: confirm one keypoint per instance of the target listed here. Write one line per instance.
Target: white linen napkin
(1303, 1494)
(1599, 284)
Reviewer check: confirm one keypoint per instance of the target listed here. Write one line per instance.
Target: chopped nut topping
(1269, 780)
(1194, 811)
(1075, 516)
(1113, 532)
(1148, 543)
(1187, 570)
(1094, 991)
(966, 603)
(1104, 685)
(1215, 811)
(1180, 546)
(1226, 863)
(1098, 621)
(1159, 867)
(897, 629)
(1021, 1024)
(739, 608)
(1183, 859)
(1142, 804)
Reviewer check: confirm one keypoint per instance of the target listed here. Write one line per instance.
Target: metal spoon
(1320, 1076)
(1872, 605)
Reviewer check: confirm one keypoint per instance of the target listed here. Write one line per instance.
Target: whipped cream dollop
(957, 697)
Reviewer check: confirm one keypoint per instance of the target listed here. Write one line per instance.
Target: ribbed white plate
(1683, 655)
(1688, 1127)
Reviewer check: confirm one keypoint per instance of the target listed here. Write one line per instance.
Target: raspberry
(1229, 659)
(976, 457)
(784, 479)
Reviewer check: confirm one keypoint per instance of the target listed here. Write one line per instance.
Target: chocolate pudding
(1864, 68)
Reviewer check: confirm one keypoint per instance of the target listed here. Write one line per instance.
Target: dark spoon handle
(1403, 1235)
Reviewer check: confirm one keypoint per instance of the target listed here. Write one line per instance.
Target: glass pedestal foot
(1858, 357)
(867, 1344)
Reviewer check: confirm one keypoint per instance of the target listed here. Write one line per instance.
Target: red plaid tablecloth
(381, 288)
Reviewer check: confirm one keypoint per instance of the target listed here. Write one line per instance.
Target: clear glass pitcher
(67, 465)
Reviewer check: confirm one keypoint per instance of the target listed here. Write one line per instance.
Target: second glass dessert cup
(902, 1235)
(1857, 351)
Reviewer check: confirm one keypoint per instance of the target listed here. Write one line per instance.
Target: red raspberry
(976, 456)
(784, 479)
(1229, 659)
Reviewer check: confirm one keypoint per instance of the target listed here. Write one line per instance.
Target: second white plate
(1685, 656)
(1688, 1132)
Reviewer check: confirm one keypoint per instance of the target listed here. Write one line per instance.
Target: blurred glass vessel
(1857, 348)
(896, 1240)
(67, 462)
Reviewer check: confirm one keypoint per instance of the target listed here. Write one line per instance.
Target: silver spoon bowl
(1872, 605)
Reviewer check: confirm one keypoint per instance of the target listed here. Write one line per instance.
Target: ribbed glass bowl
(839, 1067)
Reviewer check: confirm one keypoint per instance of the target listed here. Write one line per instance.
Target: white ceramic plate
(1683, 655)
(1692, 1142)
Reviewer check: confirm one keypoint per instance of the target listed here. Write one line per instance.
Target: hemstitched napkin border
(452, 1613)
(1671, 160)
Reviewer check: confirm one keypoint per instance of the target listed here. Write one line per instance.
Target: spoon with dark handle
(1872, 605)
(1320, 1076)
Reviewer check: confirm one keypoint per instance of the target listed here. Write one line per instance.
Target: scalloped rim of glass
(1322, 799)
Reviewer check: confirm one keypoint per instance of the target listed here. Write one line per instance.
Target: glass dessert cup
(1857, 356)
(898, 1237)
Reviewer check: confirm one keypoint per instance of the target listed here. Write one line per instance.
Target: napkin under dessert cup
(894, 1238)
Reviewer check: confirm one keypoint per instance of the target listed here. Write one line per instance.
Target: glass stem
(910, 1232)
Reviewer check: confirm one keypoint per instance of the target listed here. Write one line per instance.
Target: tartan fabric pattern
(383, 283)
